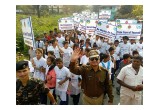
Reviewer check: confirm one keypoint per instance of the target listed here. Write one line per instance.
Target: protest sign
(129, 29)
(66, 24)
(101, 29)
(90, 26)
(82, 26)
(126, 21)
(104, 14)
(27, 31)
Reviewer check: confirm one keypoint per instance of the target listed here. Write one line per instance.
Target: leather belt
(93, 97)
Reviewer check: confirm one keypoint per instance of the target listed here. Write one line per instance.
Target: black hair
(125, 37)
(110, 49)
(125, 56)
(116, 41)
(59, 60)
(65, 42)
(66, 39)
(81, 41)
(51, 52)
(95, 45)
(105, 56)
(138, 58)
(75, 45)
(54, 40)
(88, 43)
(135, 52)
(87, 50)
(50, 31)
(101, 56)
(141, 38)
(76, 39)
(52, 59)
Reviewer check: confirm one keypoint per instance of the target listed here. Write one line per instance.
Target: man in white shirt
(83, 37)
(140, 46)
(39, 43)
(55, 48)
(97, 41)
(113, 66)
(124, 47)
(131, 80)
(117, 53)
(85, 58)
(133, 46)
(104, 46)
(67, 52)
(95, 47)
(62, 82)
(60, 39)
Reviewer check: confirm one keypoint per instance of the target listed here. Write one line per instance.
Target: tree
(124, 12)
(44, 10)
(38, 11)
(95, 8)
(26, 9)
(137, 11)
(126, 9)
(69, 9)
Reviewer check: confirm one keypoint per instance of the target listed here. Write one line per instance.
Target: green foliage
(129, 11)
(69, 9)
(95, 8)
(137, 10)
(126, 9)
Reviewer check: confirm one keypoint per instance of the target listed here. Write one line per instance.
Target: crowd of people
(68, 63)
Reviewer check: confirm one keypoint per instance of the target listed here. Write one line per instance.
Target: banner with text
(101, 29)
(66, 24)
(82, 26)
(111, 30)
(104, 14)
(27, 31)
(90, 26)
(129, 29)
(126, 21)
(76, 21)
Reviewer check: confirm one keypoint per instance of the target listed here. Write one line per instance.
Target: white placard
(27, 31)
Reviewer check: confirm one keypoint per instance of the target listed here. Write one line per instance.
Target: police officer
(28, 89)
(94, 79)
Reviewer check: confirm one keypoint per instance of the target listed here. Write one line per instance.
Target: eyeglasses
(94, 58)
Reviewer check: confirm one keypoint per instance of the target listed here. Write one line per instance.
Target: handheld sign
(27, 31)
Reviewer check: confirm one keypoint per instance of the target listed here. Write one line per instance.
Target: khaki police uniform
(93, 83)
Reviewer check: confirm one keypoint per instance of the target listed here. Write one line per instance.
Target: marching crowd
(67, 63)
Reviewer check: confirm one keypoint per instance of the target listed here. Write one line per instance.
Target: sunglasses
(94, 58)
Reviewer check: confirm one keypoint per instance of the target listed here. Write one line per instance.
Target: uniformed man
(28, 89)
(94, 79)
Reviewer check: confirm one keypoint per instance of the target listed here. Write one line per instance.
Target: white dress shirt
(128, 76)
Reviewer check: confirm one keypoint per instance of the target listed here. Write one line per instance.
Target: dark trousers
(112, 76)
(64, 102)
(75, 99)
(117, 64)
(43, 98)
